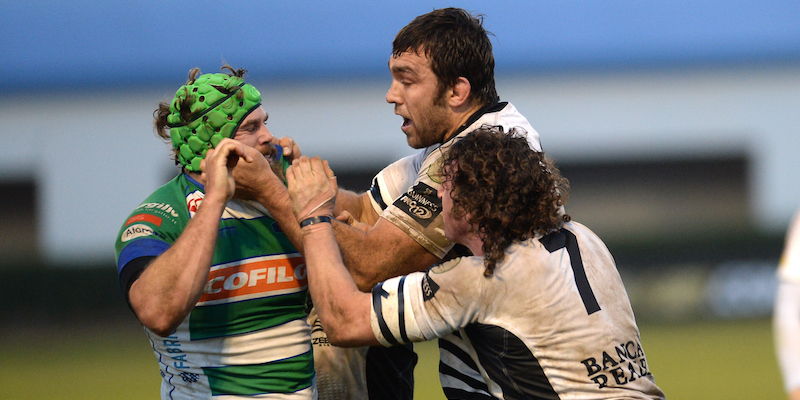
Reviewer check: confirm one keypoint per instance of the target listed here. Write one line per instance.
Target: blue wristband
(315, 220)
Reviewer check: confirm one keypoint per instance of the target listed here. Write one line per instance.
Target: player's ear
(460, 92)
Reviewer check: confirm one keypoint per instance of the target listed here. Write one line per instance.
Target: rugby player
(218, 287)
(540, 305)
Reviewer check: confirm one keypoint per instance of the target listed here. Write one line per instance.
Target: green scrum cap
(219, 104)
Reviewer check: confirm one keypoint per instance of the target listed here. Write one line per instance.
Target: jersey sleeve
(417, 211)
(394, 180)
(426, 305)
(147, 233)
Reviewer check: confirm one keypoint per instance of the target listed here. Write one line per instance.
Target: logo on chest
(257, 277)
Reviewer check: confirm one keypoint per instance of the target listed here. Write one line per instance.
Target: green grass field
(719, 360)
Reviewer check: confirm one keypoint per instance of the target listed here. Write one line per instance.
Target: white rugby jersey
(552, 322)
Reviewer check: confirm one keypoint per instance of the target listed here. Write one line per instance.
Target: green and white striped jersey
(247, 337)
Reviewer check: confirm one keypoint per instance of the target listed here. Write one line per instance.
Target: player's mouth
(270, 153)
(407, 123)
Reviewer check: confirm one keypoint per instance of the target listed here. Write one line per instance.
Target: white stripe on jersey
(290, 339)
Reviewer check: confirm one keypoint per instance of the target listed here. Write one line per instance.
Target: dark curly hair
(457, 45)
(507, 191)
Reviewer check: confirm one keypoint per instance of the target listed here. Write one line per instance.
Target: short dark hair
(457, 45)
(508, 191)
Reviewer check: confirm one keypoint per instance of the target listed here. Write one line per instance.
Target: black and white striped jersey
(553, 322)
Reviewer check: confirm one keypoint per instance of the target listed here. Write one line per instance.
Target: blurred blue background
(60, 44)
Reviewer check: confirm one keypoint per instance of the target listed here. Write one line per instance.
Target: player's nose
(392, 95)
(264, 135)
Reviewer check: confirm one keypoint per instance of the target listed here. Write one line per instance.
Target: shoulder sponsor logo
(144, 218)
(136, 231)
(421, 203)
(163, 208)
(256, 277)
(434, 172)
(429, 288)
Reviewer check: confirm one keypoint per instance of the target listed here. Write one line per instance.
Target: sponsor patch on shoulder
(434, 172)
(161, 208)
(429, 288)
(136, 231)
(155, 220)
(193, 201)
(421, 203)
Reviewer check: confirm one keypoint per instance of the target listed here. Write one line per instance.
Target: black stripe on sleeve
(375, 192)
(401, 310)
(377, 294)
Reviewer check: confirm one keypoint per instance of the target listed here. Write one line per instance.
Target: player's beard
(432, 125)
(277, 169)
(270, 152)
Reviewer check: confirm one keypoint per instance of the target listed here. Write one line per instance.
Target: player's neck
(474, 244)
(461, 117)
(195, 176)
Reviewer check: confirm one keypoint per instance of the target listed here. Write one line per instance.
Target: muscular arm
(256, 181)
(359, 206)
(168, 289)
(343, 309)
(171, 285)
(383, 252)
(275, 198)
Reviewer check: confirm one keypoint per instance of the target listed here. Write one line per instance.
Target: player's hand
(312, 187)
(217, 169)
(290, 148)
(349, 219)
(256, 180)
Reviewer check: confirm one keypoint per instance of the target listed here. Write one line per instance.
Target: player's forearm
(358, 205)
(169, 288)
(382, 253)
(343, 309)
(279, 205)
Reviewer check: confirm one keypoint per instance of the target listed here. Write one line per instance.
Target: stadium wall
(92, 156)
